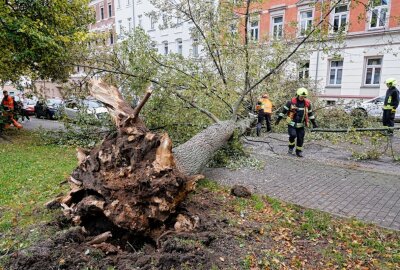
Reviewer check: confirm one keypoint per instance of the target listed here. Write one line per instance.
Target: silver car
(72, 108)
(372, 107)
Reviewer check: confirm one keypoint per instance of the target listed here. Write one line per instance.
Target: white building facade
(130, 14)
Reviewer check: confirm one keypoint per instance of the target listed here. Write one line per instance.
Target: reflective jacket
(8, 102)
(391, 99)
(264, 104)
(298, 113)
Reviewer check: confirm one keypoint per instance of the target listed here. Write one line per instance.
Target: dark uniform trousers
(296, 133)
(388, 118)
(261, 116)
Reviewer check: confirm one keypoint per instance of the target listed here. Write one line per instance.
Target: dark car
(48, 109)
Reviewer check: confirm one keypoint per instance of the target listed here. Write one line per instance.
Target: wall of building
(361, 42)
(137, 12)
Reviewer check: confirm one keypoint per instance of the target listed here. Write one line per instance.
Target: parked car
(30, 107)
(74, 108)
(49, 109)
(372, 107)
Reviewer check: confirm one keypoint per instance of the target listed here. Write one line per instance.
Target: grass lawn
(268, 234)
(30, 175)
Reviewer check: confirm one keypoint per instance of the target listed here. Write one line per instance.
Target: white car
(72, 108)
(372, 107)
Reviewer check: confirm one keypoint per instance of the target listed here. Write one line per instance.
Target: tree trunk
(193, 155)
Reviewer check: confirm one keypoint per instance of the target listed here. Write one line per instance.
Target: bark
(193, 155)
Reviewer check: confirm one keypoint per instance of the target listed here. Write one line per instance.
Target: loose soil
(232, 233)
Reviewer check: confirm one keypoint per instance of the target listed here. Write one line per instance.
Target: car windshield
(53, 102)
(92, 104)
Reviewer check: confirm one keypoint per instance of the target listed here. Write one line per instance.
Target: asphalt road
(36, 123)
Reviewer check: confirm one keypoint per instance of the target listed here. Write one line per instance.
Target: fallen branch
(354, 129)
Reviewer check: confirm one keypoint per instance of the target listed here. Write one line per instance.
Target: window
(111, 38)
(164, 20)
(195, 47)
(178, 20)
(304, 70)
(102, 13)
(306, 18)
(379, 14)
(154, 46)
(128, 2)
(129, 24)
(140, 20)
(254, 30)
(335, 72)
(119, 3)
(152, 22)
(340, 18)
(179, 46)
(109, 10)
(373, 71)
(165, 43)
(331, 102)
(277, 27)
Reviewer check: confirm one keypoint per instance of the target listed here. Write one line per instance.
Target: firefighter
(8, 104)
(391, 104)
(298, 113)
(264, 108)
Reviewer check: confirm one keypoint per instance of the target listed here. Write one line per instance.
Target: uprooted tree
(133, 181)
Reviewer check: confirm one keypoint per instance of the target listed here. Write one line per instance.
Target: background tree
(38, 37)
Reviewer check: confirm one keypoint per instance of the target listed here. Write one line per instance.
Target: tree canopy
(37, 37)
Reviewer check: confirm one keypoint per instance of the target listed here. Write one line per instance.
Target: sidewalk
(327, 180)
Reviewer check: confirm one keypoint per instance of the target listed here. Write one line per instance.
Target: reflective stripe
(299, 125)
(310, 111)
(312, 117)
(286, 108)
(281, 114)
(291, 144)
(299, 148)
(301, 109)
(388, 107)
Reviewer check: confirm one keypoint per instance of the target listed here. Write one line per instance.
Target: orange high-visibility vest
(8, 102)
(266, 105)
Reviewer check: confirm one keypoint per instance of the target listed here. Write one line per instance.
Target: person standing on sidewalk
(24, 112)
(298, 113)
(264, 108)
(391, 104)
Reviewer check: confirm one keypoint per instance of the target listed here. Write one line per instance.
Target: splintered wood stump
(130, 180)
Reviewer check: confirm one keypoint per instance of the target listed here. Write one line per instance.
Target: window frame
(165, 47)
(195, 48)
(254, 30)
(303, 70)
(347, 13)
(379, 13)
(365, 71)
(110, 14)
(308, 19)
(179, 46)
(273, 24)
(336, 70)
(102, 17)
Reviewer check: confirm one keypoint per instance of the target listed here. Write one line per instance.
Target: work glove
(393, 110)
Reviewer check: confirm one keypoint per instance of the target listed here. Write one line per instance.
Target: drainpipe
(319, 47)
(133, 15)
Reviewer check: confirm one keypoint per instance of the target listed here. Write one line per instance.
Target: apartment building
(370, 52)
(130, 14)
(104, 20)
